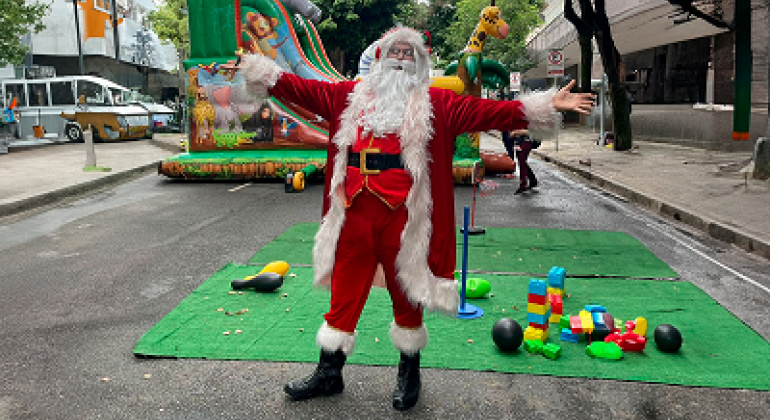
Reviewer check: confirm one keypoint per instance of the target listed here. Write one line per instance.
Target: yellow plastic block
(555, 318)
(586, 321)
(534, 308)
(555, 291)
(532, 333)
(641, 326)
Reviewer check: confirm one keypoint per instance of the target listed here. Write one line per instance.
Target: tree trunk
(585, 35)
(621, 118)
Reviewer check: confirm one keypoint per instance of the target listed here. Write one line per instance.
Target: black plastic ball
(507, 334)
(668, 338)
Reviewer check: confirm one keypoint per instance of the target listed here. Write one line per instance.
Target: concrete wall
(681, 124)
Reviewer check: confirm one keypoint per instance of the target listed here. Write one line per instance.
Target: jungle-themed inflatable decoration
(232, 137)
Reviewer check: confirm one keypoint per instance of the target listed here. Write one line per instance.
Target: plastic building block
(564, 321)
(576, 325)
(555, 318)
(533, 346)
(567, 335)
(538, 326)
(534, 308)
(537, 299)
(586, 322)
(556, 276)
(555, 291)
(594, 308)
(604, 350)
(537, 287)
(557, 304)
(538, 318)
(641, 326)
(532, 333)
(551, 351)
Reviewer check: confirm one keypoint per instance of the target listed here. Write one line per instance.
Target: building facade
(679, 69)
(115, 43)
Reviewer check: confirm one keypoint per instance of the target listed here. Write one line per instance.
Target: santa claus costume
(389, 196)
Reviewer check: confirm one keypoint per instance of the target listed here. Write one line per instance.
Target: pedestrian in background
(519, 144)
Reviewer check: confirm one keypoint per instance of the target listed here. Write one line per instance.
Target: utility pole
(77, 30)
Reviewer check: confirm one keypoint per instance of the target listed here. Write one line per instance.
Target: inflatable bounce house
(232, 137)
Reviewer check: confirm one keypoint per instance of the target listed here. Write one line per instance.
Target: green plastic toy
(475, 288)
(602, 350)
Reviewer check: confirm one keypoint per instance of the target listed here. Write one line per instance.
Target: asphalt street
(84, 280)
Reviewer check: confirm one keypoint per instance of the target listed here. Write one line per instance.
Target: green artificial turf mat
(583, 253)
(718, 351)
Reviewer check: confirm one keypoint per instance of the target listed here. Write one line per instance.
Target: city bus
(61, 107)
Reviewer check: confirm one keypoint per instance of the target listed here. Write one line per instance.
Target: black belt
(373, 161)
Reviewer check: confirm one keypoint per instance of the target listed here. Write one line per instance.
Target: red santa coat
(433, 119)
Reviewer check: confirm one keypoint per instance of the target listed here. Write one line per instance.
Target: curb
(59, 195)
(715, 229)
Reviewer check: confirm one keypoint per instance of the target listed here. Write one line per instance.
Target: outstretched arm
(564, 100)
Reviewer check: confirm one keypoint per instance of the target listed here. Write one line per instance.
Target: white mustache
(394, 64)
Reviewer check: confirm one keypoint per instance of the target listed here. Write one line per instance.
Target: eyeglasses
(395, 51)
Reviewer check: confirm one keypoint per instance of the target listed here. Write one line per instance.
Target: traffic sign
(555, 63)
(515, 81)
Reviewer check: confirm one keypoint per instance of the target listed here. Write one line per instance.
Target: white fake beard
(392, 89)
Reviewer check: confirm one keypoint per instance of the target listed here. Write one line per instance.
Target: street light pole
(77, 30)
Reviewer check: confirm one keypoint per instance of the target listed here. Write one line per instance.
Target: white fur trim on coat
(260, 74)
(540, 113)
(408, 340)
(332, 340)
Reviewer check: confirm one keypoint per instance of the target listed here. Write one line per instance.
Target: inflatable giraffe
(471, 60)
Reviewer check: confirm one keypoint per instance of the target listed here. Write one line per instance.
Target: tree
(16, 20)
(585, 29)
(349, 26)
(521, 16)
(596, 19)
(170, 23)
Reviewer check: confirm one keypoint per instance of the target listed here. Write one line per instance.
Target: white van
(59, 107)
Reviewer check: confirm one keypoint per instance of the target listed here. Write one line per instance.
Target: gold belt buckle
(364, 169)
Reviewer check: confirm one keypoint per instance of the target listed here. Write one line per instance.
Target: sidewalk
(37, 174)
(704, 189)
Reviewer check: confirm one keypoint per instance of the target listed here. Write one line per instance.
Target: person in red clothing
(519, 144)
(388, 213)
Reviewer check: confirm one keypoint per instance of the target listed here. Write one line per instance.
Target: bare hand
(564, 100)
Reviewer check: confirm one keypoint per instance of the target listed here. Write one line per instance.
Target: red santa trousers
(371, 235)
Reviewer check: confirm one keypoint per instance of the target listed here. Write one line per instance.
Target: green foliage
(521, 15)
(171, 24)
(349, 26)
(16, 20)
(464, 149)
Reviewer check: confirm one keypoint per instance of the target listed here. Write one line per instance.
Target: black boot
(532, 180)
(326, 380)
(408, 384)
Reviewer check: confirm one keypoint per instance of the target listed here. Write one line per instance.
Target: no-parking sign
(515, 81)
(555, 63)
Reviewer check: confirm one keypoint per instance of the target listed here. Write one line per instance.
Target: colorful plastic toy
(604, 350)
(507, 334)
(668, 338)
